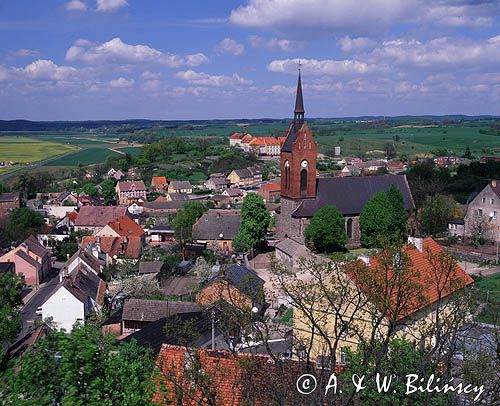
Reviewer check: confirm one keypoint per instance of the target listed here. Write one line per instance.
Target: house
(395, 166)
(161, 233)
(482, 216)
(216, 183)
(235, 379)
(68, 199)
(8, 202)
(68, 221)
(159, 183)
(245, 177)
(28, 340)
(245, 142)
(75, 298)
(217, 228)
(93, 218)
(303, 194)
(456, 228)
(114, 249)
(137, 313)
(180, 186)
(31, 259)
(237, 285)
(151, 267)
(161, 207)
(136, 208)
(174, 197)
(112, 173)
(56, 211)
(130, 191)
(123, 227)
(270, 191)
(53, 235)
(83, 259)
(235, 195)
(409, 308)
(265, 146)
(235, 139)
(290, 252)
(180, 287)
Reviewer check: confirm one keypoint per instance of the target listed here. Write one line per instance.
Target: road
(34, 300)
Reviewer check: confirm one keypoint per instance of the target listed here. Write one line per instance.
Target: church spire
(298, 116)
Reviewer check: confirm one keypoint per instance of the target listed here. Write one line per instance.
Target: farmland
(25, 150)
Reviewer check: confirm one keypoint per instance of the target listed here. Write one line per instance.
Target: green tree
(375, 219)
(255, 220)
(26, 220)
(10, 303)
(403, 358)
(184, 220)
(89, 189)
(399, 213)
(468, 153)
(108, 190)
(435, 214)
(80, 368)
(326, 230)
(66, 248)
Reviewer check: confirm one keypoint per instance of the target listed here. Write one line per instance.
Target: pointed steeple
(298, 116)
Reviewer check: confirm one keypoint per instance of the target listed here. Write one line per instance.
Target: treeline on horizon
(137, 124)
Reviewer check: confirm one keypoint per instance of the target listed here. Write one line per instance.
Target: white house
(85, 259)
(74, 299)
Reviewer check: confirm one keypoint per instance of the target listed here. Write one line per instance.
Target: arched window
(349, 228)
(303, 181)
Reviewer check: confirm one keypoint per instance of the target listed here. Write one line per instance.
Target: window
(343, 356)
(344, 329)
(492, 201)
(483, 199)
(349, 228)
(494, 215)
(480, 212)
(303, 181)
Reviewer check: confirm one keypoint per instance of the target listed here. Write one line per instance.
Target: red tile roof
(271, 187)
(234, 379)
(122, 247)
(98, 216)
(237, 136)
(425, 283)
(247, 138)
(158, 180)
(127, 186)
(126, 227)
(265, 141)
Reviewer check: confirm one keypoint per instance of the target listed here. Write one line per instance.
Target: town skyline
(117, 59)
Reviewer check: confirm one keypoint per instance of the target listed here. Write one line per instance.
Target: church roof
(350, 194)
(299, 100)
(291, 137)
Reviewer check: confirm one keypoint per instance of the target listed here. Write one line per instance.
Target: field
(412, 141)
(30, 151)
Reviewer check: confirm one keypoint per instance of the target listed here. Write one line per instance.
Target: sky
(220, 59)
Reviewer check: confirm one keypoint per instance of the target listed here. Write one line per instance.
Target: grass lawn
(24, 149)
(487, 290)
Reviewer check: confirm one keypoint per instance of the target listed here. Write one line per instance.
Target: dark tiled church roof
(350, 194)
(290, 139)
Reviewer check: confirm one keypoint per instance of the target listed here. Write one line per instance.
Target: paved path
(474, 269)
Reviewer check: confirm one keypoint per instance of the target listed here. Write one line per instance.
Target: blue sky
(202, 59)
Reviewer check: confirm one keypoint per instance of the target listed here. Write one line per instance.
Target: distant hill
(127, 125)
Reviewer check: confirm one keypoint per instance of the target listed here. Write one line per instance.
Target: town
(251, 202)
(290, 272)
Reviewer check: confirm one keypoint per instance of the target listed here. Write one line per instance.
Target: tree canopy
(383, 215)
(435, 214)
(26, 220)
(255, 220)
(80, 368)
(326, 230)
(10, 304)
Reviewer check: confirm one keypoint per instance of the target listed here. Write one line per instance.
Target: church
(303, 193)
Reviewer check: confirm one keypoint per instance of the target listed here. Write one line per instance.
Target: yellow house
(405, 296)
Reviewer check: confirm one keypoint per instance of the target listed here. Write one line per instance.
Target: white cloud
(201, 78)
(106, 6)
(359, 17)
(4, 73)
(122, 83)
(75, 5)
(25, 53)
(281, 90)
(116, 51)
(440, 53)
(44, 69)
(348, 44)
(323, 67)
(152, 85)
(274, 44)
(230, 46)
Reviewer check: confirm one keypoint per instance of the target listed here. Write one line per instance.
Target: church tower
(298, 171)
(298, 155)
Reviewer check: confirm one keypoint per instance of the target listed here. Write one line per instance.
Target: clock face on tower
(303, 164)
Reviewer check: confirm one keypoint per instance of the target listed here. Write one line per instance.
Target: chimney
(494, 183)
(417, 242)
